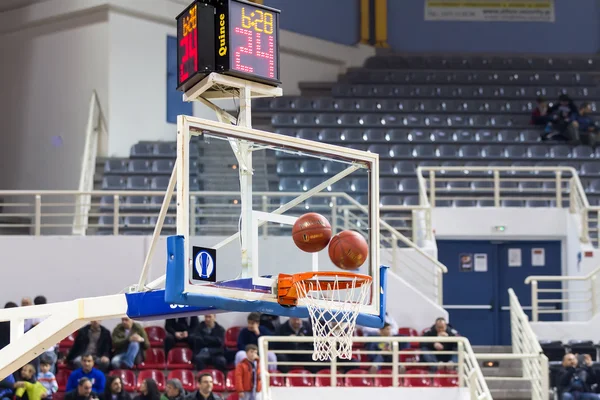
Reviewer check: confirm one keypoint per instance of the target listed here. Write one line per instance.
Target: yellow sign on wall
(490, 10)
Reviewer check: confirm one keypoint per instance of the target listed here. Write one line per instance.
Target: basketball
(311, 232)
(348, 250)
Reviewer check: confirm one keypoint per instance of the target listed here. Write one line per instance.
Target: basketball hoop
(333, 300)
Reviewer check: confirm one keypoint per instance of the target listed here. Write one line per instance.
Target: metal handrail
(468, 370)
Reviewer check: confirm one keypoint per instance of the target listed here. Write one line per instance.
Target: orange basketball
(311, 232)
(348, 250)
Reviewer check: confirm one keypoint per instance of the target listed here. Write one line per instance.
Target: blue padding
(174, 293)
(152, 306)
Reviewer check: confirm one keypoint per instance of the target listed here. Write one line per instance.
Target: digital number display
(253, 39)
(187, 50)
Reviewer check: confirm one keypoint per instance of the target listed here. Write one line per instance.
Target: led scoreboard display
(232, 37)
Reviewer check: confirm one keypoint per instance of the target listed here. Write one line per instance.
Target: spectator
(294, 327)
(173, 390)
(27, 387)
(588, 130)
(83, 391)
(204, 383)
(574, 382)
(539, 115)
(442, 329)
(208, 344)
(47, 378)
(148, 390)
(250, 335)
(5, 328)
(367, 331)
(92, 339)
(129, 341)
(382, 348)
(7, 386)
(247, 375)
(28, 323)
(114, 389)
(271, 322)
(179, 331)
(87, 370)
(561, 115)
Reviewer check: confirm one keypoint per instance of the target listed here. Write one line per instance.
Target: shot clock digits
(232, 37)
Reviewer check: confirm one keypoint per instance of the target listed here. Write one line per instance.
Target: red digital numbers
(189, 45)
(254, 47)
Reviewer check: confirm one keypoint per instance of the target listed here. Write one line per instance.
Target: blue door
(470, 296)
(479, 276)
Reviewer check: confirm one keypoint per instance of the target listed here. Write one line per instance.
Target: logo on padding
(205, 264)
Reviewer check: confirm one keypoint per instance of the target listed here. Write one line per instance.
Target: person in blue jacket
(250, 335)
(87, 370)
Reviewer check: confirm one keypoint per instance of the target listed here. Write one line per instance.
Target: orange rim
(287, 285)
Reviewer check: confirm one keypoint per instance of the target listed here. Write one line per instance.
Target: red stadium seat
(230, 381)
(66, 344)
(180, 358)
(186, 377)
(417, 381)
(424, 331)
(231, 337)
(156, 335)
(58, 396)
(324, 378)
(355, 377)
(62, 376)
(445, 381)
(410, 358)
(233, 396)
(277, 380)
(155, 359)
(304, 378)
(409, 332)
(218, 379)
(127, 379)
(154, 374)
(384, 378)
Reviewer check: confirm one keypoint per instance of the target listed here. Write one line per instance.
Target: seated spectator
(383, 347)
(367, 331)
(129, 342)
(561, 116)
(539, 115)
(247, 374)
(204, 384)
(5, 327)
(271, 322)
(26, 387)
(114, 390)
(28, 323)
(47, 378)
(294, 327)
(575, 381)
(148, 390)
(83, 391)
(92, 339)
(7, 387)
(178, 331)
(442, 329)
(208, 344)
(87, 370)
(250, 335)
(173, 390)
(588, 130)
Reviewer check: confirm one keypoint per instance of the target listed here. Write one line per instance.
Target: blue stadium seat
(159, 183)
(423, 151)
(355, 135)
(160, 167)
(447, 151)
(140, 183)
(486, 136)
(308, 134)
(290, 185)
(139, 167)
(418, 136)
(469, 151)
(114, 183)
(582, 152)
(408, 184)
(141, 150)
(329, 135)
(285, 167)
(538, 151)
(311, 167)
(115, 167)
(165, 150)
(405, 167)
(396, 136)
(388, 185)
(560, 151)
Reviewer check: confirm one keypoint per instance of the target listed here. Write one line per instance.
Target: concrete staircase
(504, 389)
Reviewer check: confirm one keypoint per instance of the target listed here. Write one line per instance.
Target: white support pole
(182, 170)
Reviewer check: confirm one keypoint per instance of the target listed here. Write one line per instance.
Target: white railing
(393, 373)
(577, 295)
(525, 346)
(96, 142)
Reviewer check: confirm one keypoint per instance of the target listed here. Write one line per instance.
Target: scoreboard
(231, 37)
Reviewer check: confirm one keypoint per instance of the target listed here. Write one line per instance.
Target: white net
(333, 304)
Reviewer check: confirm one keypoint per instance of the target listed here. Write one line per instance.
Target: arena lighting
(490, 364)
(500, 228)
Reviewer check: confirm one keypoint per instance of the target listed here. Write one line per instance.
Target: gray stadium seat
(312, 182)
(114, 183)
(115, 167)
(390, 200)
(396, 135)
(485, 203)
(508, 136)
(355, 135)
(400, 151)
(469, 151)
(107, 203)
(560, 151)
(359, 185)
(465, 203)
(451, 164)
(160, 167)
(133, 203)
(582, 151)
(329, 135)
(534, 186)
(482, 185)
(411, 201)
(141, 150)
(512, 203)
(387, 168)
(408, 184)
(590, 168)
(311, 167)
(423, 151)
(486, 136)
(309, 134)
(441, 136)
(447, 150)
(372, 135)
(340, 186)
(515, 151)
(332, 168)
(418, 136)
(158, 183)
(538, 151)
(405, 167)
(381, 149)
(388, 185)
(285, 167)
(492, 151)
(139, 167)
(464, 136)
(165, 150)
